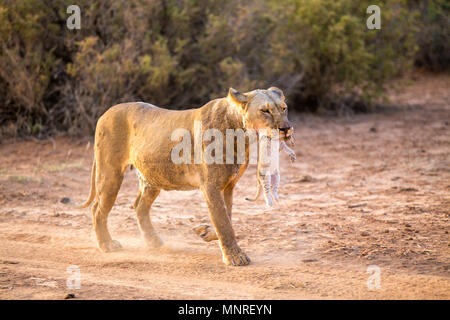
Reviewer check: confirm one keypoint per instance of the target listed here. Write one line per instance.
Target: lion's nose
(285, 126)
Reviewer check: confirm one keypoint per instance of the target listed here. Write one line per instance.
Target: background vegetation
(182, 53)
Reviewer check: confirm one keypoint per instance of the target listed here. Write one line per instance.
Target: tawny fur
(139, 134)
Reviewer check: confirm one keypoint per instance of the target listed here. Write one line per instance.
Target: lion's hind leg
(143, 203)
(136, 202)
(107, 189)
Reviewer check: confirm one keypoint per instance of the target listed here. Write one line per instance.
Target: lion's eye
(266, 111)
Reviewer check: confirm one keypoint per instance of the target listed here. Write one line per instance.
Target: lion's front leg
(231, 253)
(205, 231)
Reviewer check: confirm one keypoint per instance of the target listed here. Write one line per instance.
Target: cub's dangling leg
(275, 185)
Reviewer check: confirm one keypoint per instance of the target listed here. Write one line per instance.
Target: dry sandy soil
(370, 189)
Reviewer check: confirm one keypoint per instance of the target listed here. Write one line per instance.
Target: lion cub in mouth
(268, 173)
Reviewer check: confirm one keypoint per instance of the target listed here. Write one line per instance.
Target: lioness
(139, 134)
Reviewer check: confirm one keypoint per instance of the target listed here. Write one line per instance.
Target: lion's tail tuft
(92, 193)
(258, 193)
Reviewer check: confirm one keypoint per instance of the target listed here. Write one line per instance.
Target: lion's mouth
(286, 133)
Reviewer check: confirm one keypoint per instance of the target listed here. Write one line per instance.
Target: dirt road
(366, 190)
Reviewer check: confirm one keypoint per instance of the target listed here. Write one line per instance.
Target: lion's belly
(157, 168)
(151, 145)
(169, 176)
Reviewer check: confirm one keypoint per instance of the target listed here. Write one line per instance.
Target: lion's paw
(153, 241)
(238, 258)
(205, 232)
(110, 246)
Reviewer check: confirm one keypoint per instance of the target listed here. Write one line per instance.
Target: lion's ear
(277, 91)
(237, 97)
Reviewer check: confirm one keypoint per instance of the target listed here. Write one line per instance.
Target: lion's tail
(258, 193)
(92, 192)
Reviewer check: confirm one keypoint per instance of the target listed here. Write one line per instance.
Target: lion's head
(263, 109)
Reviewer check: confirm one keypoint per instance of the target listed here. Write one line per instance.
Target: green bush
(182, 53)
(26, 66)
(433, 37)
(338, 57)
